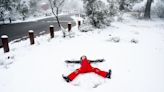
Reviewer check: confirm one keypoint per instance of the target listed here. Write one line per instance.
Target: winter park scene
(81, 45)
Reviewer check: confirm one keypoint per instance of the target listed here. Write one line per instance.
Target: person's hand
(67, 61)
(101, 60)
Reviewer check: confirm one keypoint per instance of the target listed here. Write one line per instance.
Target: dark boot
(109, 74)
(66, 78)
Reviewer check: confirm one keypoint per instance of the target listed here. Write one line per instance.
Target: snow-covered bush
(119, 17)
(127, 5)
(2, 10)
(33, 7)
(160, 8)
(114, 39)
(138, 9)
(19, 9)
(86, 26)
(134, 41)
(157, 8)
(23, 9)
(98, 13)
(6, 60)
(112, 7)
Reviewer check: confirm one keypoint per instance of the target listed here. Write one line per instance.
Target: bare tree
(55, 7)
(148, 9)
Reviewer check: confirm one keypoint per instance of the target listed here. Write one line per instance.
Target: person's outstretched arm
(73, 61)
(97, 60)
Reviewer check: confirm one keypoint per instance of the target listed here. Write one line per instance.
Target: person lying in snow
(86, 68)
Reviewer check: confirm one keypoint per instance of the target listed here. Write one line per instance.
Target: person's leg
(74, 74)
(100, 72)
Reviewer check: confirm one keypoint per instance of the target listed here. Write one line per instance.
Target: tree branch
(52, 9)
(61, 2)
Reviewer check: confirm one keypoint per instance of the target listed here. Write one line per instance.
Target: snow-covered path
(137, 60)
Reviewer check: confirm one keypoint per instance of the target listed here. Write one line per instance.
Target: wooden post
(52, 31)
(79, 23)
(69, 26)
(5, 44)
(31, 36)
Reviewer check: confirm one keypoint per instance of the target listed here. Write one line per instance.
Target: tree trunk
(122, 3)
(23, 18)
(3, 21)
(57, 17)
(148, 9)
(10, 20)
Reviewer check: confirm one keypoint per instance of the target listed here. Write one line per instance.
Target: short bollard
(79, 23)
(31, 36)
(69, 26)
(5, 44)
(52, 31)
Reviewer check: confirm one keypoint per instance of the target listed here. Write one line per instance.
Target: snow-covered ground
(133, 49)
